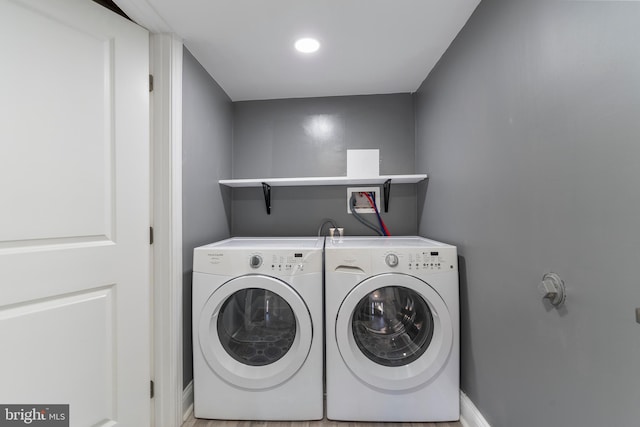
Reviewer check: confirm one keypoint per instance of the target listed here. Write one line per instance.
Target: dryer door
(255, 331)
(394, 332)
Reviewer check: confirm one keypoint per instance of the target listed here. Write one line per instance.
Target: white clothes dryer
(258, 329)
(392, 323)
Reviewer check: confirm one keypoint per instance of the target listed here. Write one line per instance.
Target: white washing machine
(258, 329)
(392, 322)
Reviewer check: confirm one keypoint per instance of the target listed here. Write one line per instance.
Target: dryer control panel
(294, 262)
(277, 263)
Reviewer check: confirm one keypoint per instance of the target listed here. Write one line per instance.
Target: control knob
(392, 260)
(255, 261)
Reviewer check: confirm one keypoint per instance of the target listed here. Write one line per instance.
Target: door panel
(50, 328)
(60, 127)
(74, 250)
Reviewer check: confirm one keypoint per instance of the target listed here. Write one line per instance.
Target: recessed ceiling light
(307, 45)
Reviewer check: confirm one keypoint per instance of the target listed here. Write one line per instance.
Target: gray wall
(206, 157)
(529, 129)
(309, 137)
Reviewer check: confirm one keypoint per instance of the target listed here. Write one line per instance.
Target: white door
(74, 211)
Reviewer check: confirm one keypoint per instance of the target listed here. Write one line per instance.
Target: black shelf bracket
(266, 189)
(387, 193)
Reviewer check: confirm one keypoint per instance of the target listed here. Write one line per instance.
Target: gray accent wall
(529, 129)
(307, 138)
(207, 135)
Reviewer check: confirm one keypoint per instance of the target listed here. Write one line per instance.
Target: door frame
(170, 403)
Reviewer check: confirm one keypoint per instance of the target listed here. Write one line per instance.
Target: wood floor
(193, 422)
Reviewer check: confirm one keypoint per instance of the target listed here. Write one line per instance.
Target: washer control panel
(430, 260)
(367, 256)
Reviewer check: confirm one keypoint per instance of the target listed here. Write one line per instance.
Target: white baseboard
(469, 414)
(187, 401)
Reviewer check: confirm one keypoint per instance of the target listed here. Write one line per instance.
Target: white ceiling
(367, 46)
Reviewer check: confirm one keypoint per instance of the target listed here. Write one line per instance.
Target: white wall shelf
(267, 183)
(329, 180)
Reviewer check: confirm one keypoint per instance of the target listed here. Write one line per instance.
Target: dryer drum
(256, 327)
(392, 326)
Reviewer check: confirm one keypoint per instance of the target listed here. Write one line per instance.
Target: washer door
(255, 331)
(394, 332)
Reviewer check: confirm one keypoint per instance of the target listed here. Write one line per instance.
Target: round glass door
(394, 331)
(256, 326)
(392, 326)
(255, 331)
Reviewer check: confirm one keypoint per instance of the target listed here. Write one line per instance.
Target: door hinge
(150, 82)
(151, 391)
(151, 235)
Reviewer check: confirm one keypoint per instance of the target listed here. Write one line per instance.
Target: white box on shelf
(363, 163)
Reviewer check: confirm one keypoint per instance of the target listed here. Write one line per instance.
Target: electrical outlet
(362, 203)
